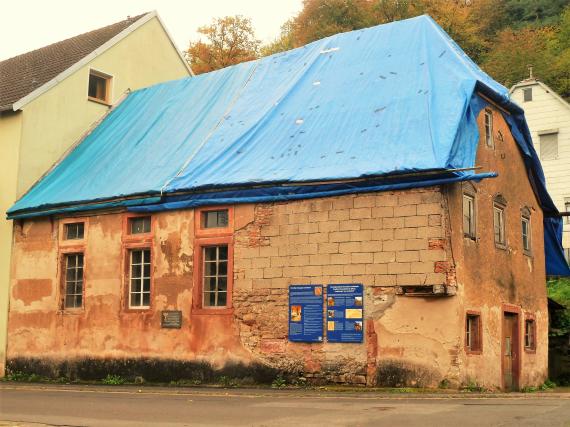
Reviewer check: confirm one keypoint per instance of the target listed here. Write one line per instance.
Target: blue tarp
(385, 101)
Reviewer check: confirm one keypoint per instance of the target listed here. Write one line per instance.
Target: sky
(30, 24)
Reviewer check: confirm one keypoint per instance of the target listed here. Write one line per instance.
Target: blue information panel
(306, 313)
(345, 313)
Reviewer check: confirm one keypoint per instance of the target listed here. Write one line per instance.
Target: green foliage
(473, 387)
(559, 291)
(279, 382)
(113, 380)
(520, 13)
(443, 384)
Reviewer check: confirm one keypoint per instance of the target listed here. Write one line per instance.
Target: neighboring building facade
(548, 117)
(50, 97)
(341, 163)
(432, 313)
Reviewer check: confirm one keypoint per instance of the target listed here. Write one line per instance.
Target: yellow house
(52, 96)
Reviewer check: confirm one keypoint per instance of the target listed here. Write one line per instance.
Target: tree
(514, 51)
(229, 40)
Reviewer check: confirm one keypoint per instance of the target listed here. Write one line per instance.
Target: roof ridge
(133, 19)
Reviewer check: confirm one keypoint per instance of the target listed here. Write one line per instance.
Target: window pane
(135, 285)
(209, 299)
(223, 268)
(136, 257)
(222, 284)
(146, 299)
(222, 299)
(527, 95)
(136, 271)
(209, 268)
(147, 270)
(139, 225)
(215, 219)
(135, 299)
(210, 253)
(146, 285)
(209, 284)
(223, 252)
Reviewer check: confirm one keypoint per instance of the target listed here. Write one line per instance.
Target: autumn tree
(226, 41)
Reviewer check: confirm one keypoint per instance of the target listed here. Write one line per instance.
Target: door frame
(515, 346)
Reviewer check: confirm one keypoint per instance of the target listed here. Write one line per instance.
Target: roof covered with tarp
(395, 104)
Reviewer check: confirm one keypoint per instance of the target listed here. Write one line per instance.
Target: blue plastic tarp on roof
(388, 100)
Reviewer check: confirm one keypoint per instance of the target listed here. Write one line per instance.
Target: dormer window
(489, 129)
(99, 87)
(527, 94)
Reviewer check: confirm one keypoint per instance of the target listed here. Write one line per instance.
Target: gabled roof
(384, 100)
(26, 76)
(548, 89)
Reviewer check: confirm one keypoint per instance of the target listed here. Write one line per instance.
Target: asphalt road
(80, 406)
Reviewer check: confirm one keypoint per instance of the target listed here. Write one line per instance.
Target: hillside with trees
(503, 36)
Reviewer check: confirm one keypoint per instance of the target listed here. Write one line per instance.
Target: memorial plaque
(171, 319)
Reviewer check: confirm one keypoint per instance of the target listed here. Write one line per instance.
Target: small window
(489, 128)
(527, 94)
(526, 236)
(215, 276)
(73, 281)
(473, 332)
(529, 334)
(99, 85)
(74, 231)
(469, 216)
(139, 225)
(499, 224)
(567, 208)
(139, 267)
(549, 146)
(214, 219)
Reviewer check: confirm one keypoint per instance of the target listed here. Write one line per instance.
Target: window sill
(473, 352)
(500, 246)
(133, 310)
(98, 101)
(530, 350)
(212, 311)
(72, 311)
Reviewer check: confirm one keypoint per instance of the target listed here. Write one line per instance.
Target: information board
(171, 319)
(306, 313)
(345, 313)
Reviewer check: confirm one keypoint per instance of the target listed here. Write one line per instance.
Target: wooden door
(510, 352)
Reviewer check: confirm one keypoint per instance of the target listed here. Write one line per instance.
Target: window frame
(198, 284)
(64, 252)
(525, 91)
(500, 205)
(489, 139)
(77, 243)
(479, 348)
(526, 217)
(128, 237)
(108, 86)
(472, 235)
(128, 256)
(567, 208)
(529, 318)
(546, 133)
(199, 231)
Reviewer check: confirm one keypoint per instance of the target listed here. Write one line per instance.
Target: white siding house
(548, 117)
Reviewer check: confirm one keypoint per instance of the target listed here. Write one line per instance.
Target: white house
(548, 117)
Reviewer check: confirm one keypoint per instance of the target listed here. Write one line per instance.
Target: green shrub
(113, 380)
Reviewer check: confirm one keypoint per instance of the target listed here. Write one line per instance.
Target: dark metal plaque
(171, 319)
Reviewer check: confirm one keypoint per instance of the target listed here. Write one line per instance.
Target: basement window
(73, 281)
(489, 129)
(99, 87)
(529, 335)
(74, 231)
(527, 94)
(139, 268)
(473, 341)
(139, 225)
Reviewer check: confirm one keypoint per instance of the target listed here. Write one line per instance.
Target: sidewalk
(333, 391)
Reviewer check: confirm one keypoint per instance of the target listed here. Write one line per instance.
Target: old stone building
(191, 274)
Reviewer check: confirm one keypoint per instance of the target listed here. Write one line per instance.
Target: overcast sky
(29, 24)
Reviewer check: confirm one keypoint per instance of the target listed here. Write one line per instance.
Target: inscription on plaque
(171, 319)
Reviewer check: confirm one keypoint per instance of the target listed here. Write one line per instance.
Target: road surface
(127, 406)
